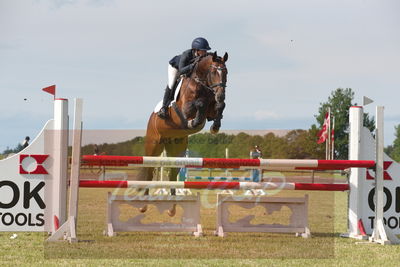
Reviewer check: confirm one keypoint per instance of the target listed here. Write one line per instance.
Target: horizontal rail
(268, 164)
(214, 185)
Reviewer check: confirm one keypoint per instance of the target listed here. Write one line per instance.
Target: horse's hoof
(172, 211)
(190, 124)
(143, 209)
(173, 192)
(214, 129)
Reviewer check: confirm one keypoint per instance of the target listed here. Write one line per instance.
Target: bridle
(219, 69)
(207, 81)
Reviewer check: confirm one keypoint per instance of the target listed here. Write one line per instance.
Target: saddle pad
(159, 105)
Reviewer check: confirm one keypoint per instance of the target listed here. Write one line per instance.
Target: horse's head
(213, 73)
(218, 76)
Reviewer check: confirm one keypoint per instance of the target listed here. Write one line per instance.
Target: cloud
(58, 4)
(9, 46)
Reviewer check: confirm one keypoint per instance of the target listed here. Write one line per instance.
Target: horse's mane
(202, 57)
(218, 59)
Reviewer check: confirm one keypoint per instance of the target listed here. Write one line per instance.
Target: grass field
(327, 220)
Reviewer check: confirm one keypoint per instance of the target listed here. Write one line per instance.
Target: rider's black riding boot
(163, 113)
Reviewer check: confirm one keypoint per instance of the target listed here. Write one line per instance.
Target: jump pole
(235, 163)
(214, 185)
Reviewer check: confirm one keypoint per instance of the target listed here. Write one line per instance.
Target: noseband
(221, 84)
(205, 83)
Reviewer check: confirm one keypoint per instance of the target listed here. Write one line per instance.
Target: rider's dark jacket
(183, 62)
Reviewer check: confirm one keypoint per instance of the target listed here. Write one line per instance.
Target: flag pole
(332, 134)
(326, 149)
(328, 142)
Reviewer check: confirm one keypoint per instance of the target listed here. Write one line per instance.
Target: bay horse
(201, 98)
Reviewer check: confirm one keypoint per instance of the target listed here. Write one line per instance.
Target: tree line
(296, 144)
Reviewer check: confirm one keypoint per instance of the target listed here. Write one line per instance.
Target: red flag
(322, 138)
(323, 134)
(51, 90)
(361, 228)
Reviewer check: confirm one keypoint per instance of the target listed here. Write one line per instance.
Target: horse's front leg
(201, 108)
(219, 108)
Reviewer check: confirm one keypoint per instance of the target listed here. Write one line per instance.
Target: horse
(201, 98)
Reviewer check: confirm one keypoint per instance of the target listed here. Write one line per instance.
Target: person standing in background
(25, 143)
(256, 153)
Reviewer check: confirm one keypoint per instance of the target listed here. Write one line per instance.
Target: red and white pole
(270, 164)
(214, 185)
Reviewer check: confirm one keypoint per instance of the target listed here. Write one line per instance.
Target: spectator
(25, 143)
(256, 153)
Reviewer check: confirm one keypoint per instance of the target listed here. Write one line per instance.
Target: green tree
(17, 149)
(339, 102)
(273, 147)
(395, 153)
(301, 145)
(240, 146)
(209, 145)
(388, 150)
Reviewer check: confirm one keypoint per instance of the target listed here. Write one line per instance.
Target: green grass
(327, 218)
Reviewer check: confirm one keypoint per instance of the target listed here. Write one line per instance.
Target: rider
(181, 65)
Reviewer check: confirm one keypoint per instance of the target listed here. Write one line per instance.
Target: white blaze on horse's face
(219, 72)
(221, 81)
(220, 90)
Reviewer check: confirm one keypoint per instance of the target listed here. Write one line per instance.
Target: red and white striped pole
(182, 162)
(214, 185)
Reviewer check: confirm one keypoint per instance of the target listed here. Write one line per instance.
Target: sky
(285, 58)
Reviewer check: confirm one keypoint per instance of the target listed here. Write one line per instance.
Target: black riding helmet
(200, 43)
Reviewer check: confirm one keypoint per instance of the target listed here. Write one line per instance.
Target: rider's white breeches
(172, 76)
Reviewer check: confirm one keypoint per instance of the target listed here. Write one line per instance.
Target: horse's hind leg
(177, 148)
(153, 147)
(145, 174)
